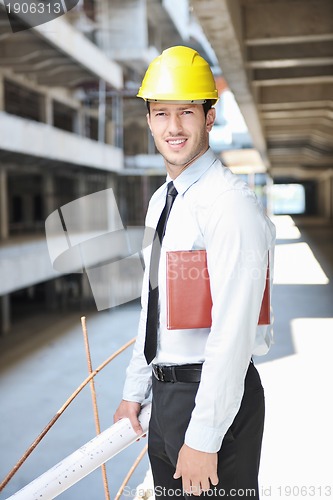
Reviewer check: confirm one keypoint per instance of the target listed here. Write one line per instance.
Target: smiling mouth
(176, 142)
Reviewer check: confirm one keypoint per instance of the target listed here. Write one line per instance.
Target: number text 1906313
(34, 8)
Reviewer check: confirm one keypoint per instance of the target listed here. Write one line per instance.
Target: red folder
(189, 301)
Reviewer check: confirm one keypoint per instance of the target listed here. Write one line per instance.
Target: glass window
(288, 199)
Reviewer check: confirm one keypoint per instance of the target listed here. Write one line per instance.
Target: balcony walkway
(43, 361)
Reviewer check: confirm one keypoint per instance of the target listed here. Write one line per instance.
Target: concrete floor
(40, 368)
(43, 361)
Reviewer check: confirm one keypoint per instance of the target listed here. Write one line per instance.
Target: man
(207, 418)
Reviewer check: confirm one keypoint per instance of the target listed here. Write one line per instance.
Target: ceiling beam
(290, 63)
(302, 80)
(291, 93)
(221, 22)
(288, 20)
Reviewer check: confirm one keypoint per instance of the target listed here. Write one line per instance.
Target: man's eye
(160, 114)
(187, 112)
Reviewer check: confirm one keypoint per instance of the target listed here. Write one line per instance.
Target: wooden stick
(94, 401)
(60, 412)
(130, 472)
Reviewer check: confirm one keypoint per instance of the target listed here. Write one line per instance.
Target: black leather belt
(178, 373)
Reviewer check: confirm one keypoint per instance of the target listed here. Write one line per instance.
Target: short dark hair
(206, 106)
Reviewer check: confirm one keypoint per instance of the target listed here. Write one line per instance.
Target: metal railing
(91, 455)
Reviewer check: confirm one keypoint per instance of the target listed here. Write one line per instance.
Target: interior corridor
(41, 366)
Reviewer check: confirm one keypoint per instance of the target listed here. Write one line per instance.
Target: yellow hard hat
(179, 74)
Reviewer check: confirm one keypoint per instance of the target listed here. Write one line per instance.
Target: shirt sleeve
(237, 245)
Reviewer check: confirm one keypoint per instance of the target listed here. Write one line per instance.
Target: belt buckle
(159, 372)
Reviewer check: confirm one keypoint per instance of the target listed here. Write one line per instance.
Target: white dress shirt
(214, 210)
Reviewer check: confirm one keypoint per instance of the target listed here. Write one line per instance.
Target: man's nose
(174, 125)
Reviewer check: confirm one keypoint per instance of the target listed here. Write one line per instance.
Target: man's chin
(179, 160)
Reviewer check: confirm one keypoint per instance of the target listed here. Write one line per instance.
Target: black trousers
(239, 456)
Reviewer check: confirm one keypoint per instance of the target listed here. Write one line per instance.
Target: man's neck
(175, 170)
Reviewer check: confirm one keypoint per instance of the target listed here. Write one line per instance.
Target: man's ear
(210, 119)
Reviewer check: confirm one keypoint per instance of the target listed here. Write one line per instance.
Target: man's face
(180, 132)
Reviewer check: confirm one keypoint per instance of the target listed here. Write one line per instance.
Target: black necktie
(152, 313)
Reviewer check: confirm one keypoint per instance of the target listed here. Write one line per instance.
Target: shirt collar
(191, 174)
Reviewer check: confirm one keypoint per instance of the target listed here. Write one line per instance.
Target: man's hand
(198, 469)
(131, 410)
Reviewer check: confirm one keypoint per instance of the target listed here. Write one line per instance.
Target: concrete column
(47, 110)
(101, 111)
(28, 210)
(4, 216)
(325, 195)
(328, 195)
(83, 219)
(103, 34)
(112, 219)
(321, 198)
(5, 314)
(151, 143)
(79, 119)
(118, 119)
(331, 212)
(86, 293)
(2, 93)
(48, 193)
(80, 186)
(111, 182)
(145, 193)
(51, 298)
(269, 198)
